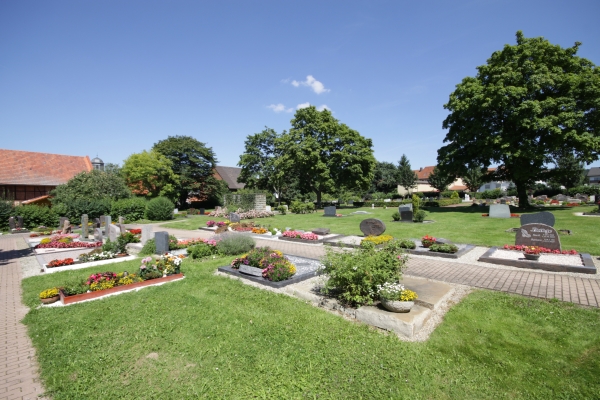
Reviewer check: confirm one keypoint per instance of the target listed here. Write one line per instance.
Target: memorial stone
(372, 227)
(19, 222)
(102, 220)
(146, 234)
(66, 226)
(11, 223)
(268, 208)
(544, 217)
(406, 216)
(405, 207)
(330, 211)
(96, 223)
(107, 223)
(562, 197)
(85, 229)
(467, 197)
(98, 234)
(121, 220)
(162, 242)
(234, 217)
(113, 233)
(499, 211)
(321, 231)
(202, 211)
(538, 235)
(502, 201)
(593, 198)
(61, 222)
(122, 229)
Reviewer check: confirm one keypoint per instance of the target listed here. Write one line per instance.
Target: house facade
(423, 183)
(27, 176)
(593, 176)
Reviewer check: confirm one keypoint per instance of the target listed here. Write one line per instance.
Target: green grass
(458, 224)
(217, 338)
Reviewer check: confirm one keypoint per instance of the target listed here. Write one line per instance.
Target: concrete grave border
(588, 266)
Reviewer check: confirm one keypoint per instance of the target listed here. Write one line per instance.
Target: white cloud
(314, 84)
(307, 104)
(303, 105)
(323, 107)
(279, 108)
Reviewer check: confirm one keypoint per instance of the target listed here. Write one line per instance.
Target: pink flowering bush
(210, 223)
(300, 235)
(520, 247)
(58, 236)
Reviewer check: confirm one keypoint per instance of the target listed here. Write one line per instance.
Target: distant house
(423, 183)
(28, 177)
(502, 185)
(593, 176)
(230, 176)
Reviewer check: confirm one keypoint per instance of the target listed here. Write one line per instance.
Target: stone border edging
(81, 265)
(588, 266)
(278, 285)
(458, 254)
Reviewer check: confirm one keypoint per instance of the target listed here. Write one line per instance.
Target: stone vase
(397, 305)
(532, 257)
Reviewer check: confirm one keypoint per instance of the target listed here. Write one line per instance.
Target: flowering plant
(427, 240)
(221, 223)
(259, 231)
(101, 281)
(136, 231)
(396, 292)
(72, 245)
(210, 223)
(300, 235)
(532, 250)
(48, 293)
(378, 239)
(276, 267)
(103, 255)
(166, 264)
(523, 248)
(60, 263)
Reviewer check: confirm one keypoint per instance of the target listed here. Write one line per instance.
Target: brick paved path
(18, 368)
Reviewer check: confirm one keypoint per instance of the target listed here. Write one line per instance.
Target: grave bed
(586, 267)
(592, 214)
(80, 265)
(424, 251)
(66, 300)
(306, 268)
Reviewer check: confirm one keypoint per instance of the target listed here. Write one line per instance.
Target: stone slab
(423, 251)
(321, 231)
(587, 266)
(538, 235)
(544, 217)
(499, 211)
(330, 211)
(372, 227)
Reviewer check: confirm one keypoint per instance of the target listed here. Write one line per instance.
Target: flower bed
(539, 249)
(274, 265)
(251, 214)
(136, 231)
(72, 245)
(302, 237)
(60, 263)
(381, 239)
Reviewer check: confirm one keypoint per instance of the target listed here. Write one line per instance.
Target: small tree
(149, 174)
(474, 178)
(407, 178)
(440, 180)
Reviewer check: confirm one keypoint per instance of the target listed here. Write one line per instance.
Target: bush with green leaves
(202, 250)
(6, 210)
(416, 202)
(160, 209)
(132, 209)
(419, 216)
(232, 244)
(443, 248)
(354, 276)
(407, 244)
(299, 207)
(34, 216)
(150, 246)
(282, 210)
(396, 216)
(75, 208)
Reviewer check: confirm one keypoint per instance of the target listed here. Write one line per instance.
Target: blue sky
(114, 77)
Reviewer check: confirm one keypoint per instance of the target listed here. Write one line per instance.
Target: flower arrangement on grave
(541, 249)
(210, 223)
(554, 202)
(72, 245)
(300, 235)
(200, 248)
(485, 215)
(573, 204)
(275, 266)
(166, 264)
(532, 250)
(242, 226)
(60, 263)
(381, 239)
(49, 293)
(135, 231)
(259, 231)
(443, 248)
(395, 291)
(427, 240)
(97, 255)
(512, 215)
(339, 215)
(223, 223)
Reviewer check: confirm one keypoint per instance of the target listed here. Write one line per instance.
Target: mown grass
(218, 338)
(459, 224)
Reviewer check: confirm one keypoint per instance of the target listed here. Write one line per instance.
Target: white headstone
(146, 234)
(113, 232)
(268, 208)
(499, 211)
(467, 197)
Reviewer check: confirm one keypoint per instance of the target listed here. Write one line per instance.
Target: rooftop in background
(30, 168)
(230, 176)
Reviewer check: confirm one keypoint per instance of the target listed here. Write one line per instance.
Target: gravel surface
(562, 259)
(304, 265)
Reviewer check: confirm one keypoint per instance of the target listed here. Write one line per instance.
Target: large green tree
(439, 179)
(150, 174)
(194, 163)
(407, 178)
(568, 171)
(91, 185)
(326, 154)
(529, 101)
(385, 179)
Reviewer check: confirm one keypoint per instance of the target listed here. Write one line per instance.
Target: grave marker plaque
(202, 211)
(538, 235)
(406, 216)
(372, 227)
(162, 242)
(321, 231)
(499, 211)
(234, 217)
(330, 211)
(544, 217)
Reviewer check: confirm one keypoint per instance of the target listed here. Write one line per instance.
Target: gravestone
(202, 211)
(574, 201)
(175, 211)
(405, 207)
(96, 223)
(467, 197)
(538, 235)
(268, 208)
(98, 234)
(12, 223)
(146, 234)
(502, 201)
(113, 233)
(330, 211)
(66, 226)
(593, 198)
(562, 197)
(19, 222)
(234, 217)
(85, 229)
(122, 229)
(102, 220)
(121, 220)
(544, 217)
(372, 227)
(107, 223)
(61, 222)
(406, 216)
(582, 197)
(162, 242)
(321, 231)
(499, 211)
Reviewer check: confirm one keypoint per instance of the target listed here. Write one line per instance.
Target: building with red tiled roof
(26, 175)
(423, 183)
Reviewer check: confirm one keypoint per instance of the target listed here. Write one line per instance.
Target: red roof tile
(424, 173)
(29, 168)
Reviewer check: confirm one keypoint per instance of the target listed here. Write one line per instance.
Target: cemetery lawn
(458, 224)
(210, 336)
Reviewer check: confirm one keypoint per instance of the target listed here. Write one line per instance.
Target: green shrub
(149, 248)
(454, 195)
(407, 244)
(234, 243)
(160, 209)
(587, 190)
(111, 246)
(419, 216)
(34, 216)
(282, 210)
(443, 248)
(416, 202)
(298, 207)
(6, 210)
(354, 276)
(441, 202)
(74, 209)
(396, 216)
(202, 250)
(132, 209)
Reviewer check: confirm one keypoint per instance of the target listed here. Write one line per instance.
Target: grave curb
(588, 266)
(277, 285)
(456, 255)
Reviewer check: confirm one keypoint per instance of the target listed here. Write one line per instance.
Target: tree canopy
(150, 174)
(407, 178)
(193, 162)
(385, 177)
(326, 154)
(439, 179)
(528, 102)
(474, 178)
(91, 185)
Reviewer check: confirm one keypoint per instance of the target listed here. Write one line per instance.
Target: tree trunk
(318, 192)
(522, 194)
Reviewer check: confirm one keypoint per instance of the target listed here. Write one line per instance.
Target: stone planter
(427, 243)
(532, 257)
(397, 306)
(50, 300)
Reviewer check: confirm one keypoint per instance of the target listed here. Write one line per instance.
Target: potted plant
(49, 296)
(427, 241)
(532, 252)
(394, 297)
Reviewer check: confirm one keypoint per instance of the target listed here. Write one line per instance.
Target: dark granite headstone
(321, 231)
(202, 211)
(330, 211)
(85, 232)
(98, 234)
(19, 222)
(406, 216)
(11, 223)
(544, 217)
(162, 242)
(372, 227)
(234, 217)
(538, 235)
(405, 207)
